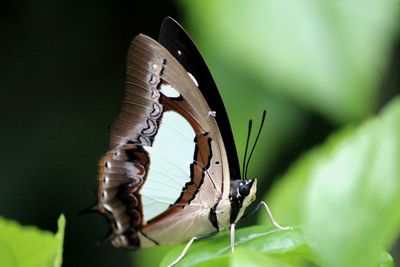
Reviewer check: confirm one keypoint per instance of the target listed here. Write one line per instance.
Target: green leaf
(250, 258)
(287, 197)
(354, 193)
(255, 246)
(384, 260)
(347, 193)
(321, 54)
(149, 256)
(59, 240)
(30, 247)
(288, 246)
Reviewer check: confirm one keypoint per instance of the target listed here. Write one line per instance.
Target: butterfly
(172, 174)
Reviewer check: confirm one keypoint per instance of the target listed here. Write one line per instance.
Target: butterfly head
(242, 194)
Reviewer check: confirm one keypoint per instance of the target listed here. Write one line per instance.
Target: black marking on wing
(213, 216)
(149, 238)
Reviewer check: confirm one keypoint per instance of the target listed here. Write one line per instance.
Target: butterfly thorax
(230, 210)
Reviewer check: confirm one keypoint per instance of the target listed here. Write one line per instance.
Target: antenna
(255, 142)
(247, 146)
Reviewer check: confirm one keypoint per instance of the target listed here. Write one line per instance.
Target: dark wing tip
(171, 27)
(169, 21)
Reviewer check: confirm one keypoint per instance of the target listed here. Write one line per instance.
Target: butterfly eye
(244, 188)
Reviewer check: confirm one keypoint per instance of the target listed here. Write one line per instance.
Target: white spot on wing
(169, 91)
(193, 79)
(171, 155)
(212, 113)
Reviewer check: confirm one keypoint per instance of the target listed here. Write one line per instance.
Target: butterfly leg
(271, 218)
(269, 213)
(233, 225)
(175, 262)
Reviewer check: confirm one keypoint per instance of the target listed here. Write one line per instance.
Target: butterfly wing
(168, 167)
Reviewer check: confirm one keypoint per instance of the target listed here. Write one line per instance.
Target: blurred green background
(316, 66)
